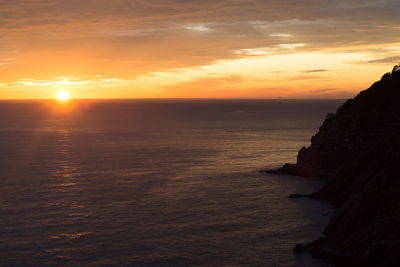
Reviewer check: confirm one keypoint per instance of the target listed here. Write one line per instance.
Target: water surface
(156, 182)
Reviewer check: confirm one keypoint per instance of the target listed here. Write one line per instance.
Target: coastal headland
(358, 150)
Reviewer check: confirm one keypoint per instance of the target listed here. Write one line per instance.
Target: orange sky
(175, 48)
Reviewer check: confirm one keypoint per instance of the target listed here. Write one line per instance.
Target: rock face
(358, 150)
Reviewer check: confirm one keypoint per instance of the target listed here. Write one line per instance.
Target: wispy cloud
(280, 35)
(62, 82)
(253, 51)
(392, 59)
(314, 71)
(197, 28)
(291, 46)
(323, 90)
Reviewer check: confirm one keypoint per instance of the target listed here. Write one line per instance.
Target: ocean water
(156, 182)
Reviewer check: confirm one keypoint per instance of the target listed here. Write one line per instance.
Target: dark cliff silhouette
(358, 150)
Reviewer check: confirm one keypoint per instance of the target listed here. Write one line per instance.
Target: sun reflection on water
(66, 191)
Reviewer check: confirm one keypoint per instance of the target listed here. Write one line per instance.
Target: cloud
(291, 46)
(129, 39)
(392, 59)
(64, 81)
(280, 35)
(197, 28)
(253, 51)
(324, 90)
(314, 71)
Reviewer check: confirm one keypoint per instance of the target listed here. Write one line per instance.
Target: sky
(196, 48)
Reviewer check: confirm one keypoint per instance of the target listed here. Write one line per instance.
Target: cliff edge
(358, 150)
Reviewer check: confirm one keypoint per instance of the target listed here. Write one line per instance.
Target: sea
(173, 182)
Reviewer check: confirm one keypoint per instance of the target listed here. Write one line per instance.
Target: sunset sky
(187, 48)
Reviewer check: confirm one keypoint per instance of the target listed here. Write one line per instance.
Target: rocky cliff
(358, 150)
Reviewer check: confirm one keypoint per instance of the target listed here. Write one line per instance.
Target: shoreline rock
(297, 195)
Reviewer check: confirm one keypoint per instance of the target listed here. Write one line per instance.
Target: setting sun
(63, 95)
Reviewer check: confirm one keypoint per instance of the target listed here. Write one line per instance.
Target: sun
(62, 95)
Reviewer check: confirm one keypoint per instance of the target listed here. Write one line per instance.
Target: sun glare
(63, 95)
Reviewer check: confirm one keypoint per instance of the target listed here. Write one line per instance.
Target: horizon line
(177, 98)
